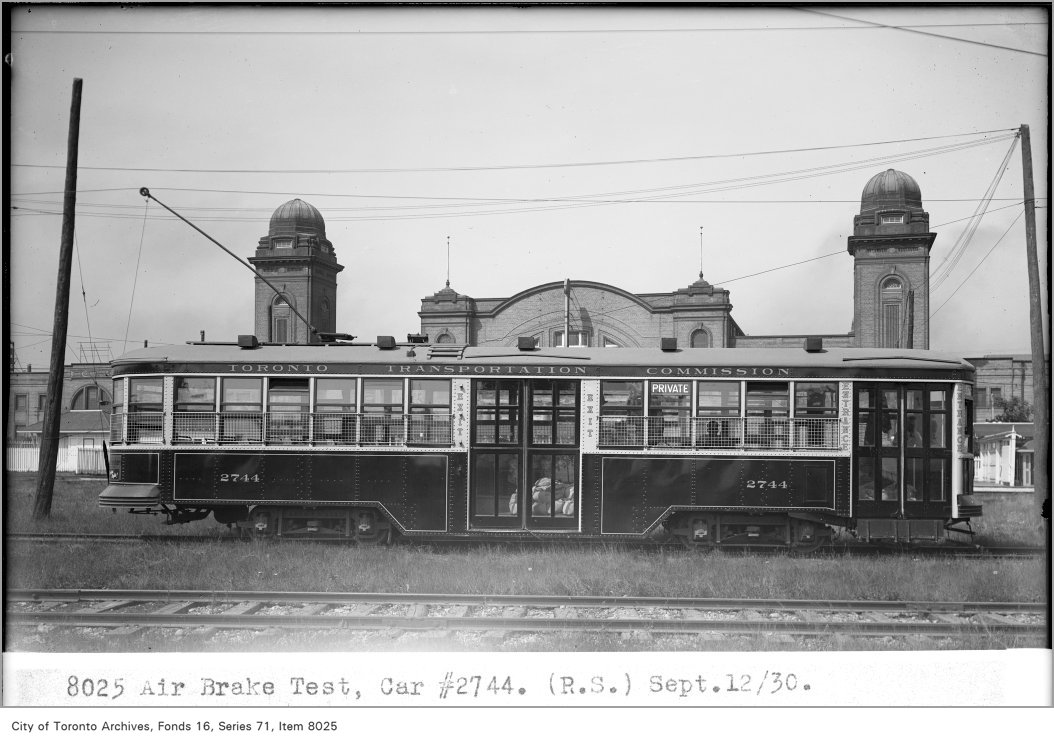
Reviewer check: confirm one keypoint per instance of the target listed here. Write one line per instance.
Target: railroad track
(839, 549)
(135, 611)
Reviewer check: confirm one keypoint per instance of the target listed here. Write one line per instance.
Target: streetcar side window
(382, 409)
(718, 408)
(195, 394)
(768, 406)
(816, 400)
(621, 413)
(554, 409)
(669, 409)
(288, 403)
(429, 412)
(194, 419)
(241, 404)
(335, 404)
(816, 414)
(497, 420)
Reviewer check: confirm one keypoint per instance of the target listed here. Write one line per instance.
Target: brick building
(85, 405)
(298, 260)
(890, 247)
(1000, 378)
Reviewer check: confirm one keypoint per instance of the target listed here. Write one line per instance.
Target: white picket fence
(81, 460)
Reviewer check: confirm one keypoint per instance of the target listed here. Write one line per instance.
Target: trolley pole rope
(146, 193)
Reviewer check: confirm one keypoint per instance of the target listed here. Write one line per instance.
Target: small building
(1004, 454)
(79, 428)
(85, 398)
(1000, 378)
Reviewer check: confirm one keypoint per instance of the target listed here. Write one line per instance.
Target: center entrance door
(524, 454)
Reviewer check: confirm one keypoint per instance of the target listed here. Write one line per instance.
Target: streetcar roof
(424, 354)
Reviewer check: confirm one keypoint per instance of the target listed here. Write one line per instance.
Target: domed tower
(298, 260)
(890, 246)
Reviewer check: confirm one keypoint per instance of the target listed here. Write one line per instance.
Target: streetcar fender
(131, 495)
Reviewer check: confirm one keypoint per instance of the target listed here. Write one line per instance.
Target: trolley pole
(49, 446)
(567, 313)
(1040, 387)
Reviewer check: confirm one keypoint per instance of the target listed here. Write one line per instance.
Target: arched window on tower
(445, 339)
(281, 320)
(891, 317)
(701, 339)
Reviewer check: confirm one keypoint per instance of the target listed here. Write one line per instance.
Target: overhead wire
(657, 194)
(1000, 240)
(910, 29)
(135, 280)
(502, 167)
(947, 265)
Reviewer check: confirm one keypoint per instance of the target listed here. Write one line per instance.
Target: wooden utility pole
(49, 446)
(1040, 387)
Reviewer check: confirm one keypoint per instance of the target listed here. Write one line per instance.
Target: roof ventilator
(814, 345)
(668, 344)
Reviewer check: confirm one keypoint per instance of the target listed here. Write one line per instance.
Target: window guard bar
(283, 428)
(782, 433)
(420, 429)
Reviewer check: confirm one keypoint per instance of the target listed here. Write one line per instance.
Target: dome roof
(891, 189)
(297, 217)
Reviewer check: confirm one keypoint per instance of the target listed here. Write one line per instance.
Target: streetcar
(709, 447)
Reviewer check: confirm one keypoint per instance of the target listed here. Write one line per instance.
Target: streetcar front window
(118, 418)
(145, 406)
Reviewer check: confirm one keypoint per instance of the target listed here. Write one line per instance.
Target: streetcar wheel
(371, 529)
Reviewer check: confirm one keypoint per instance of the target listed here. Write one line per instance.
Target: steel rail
(447, 623)
(851, 549)
(538, 601)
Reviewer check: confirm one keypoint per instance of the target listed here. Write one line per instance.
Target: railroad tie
(103, 606)
(492, 637)
(174, 608)
(239, 609)
(991, 617)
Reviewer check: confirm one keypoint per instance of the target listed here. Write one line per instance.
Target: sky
(630, 146)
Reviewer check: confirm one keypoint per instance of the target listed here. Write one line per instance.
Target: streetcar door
(902, 454)
(524, 454)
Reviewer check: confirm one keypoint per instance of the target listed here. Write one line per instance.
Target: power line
(946, 266)
(517, 31)
(502, 167)
(934, 312)
(910, 29)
